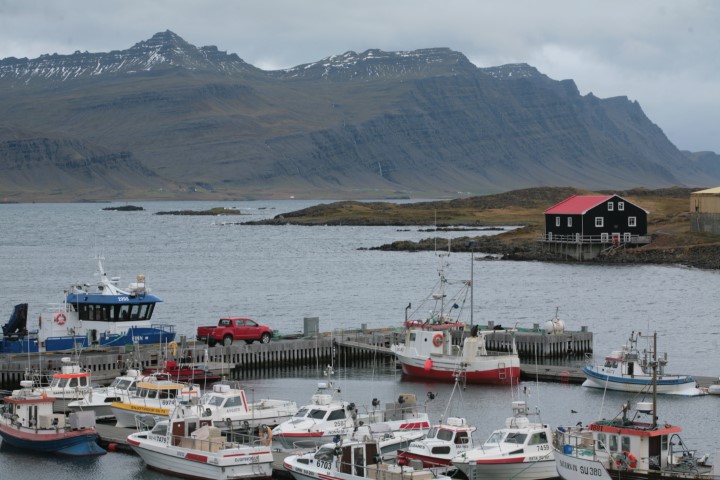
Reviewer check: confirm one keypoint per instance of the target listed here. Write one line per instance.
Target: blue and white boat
(28, 422)
(629, 370)
(102, 315)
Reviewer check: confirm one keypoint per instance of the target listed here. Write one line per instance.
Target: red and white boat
(428, 351)
(442, 443)
(521, 450)
(431, 355)
(71, 383)
(328, 416)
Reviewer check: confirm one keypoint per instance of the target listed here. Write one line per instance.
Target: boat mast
(654, 367)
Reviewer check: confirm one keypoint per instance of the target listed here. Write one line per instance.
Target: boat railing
(574, 441)
(166, 327)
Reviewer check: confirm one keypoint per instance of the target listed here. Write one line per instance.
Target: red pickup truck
(234, 328)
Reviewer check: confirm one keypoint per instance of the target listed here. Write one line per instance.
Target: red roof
(578, 204)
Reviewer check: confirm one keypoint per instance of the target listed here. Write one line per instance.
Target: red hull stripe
(668, 430)
(500, 461)
(299, 434)
(195, 457)
(133, 442)
(327, 477)
(511, 375)
(42, 436)
(430, 461)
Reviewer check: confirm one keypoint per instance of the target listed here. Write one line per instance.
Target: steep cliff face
(371, 124)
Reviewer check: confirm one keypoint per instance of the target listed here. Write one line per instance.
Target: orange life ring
(438, 339)
(626, 461)
(60, 319)
(265, 435)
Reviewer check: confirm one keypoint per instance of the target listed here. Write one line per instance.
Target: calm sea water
(206, 267)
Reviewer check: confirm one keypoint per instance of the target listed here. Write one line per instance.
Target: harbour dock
(356, 347)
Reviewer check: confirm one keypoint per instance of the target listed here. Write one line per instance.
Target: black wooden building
(596, 219)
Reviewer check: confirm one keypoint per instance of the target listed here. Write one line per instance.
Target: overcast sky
(662, 53)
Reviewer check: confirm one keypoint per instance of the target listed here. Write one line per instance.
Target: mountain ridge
(197, 122)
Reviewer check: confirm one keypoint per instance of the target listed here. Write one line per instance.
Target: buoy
(428, 364)
(112, 447)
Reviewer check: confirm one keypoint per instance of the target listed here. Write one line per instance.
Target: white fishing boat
(520, 450)
(69, 384)
(28, 422)
(100, 399)
(628, 370)
(355, 460)
(328, 416)
(229, 408)
(188, 446)
(428, 351)
(155, 397)
(442, 443)
(627, 447)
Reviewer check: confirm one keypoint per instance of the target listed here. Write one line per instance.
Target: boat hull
(494, 372)
(76, 443)
(667, 385)
(143, 335)
(191, 464)
(502, 470)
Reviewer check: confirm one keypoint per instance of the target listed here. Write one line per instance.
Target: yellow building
(705, 210)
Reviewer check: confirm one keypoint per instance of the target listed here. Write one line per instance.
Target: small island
(212, 212)
(125, 208)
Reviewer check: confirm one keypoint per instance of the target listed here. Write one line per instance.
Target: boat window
(61, 382)
(611, 364)
(73, 383)
(518, 438)
(664, 443)
(613, 443)
(152, 394)
(445, 449)
(624, 443)
(160, 429)
(443, 434)
(166, 394)
(301, 413)
(214, 401)
(325, 454)
(337, 415)
(432, 433)
(84, 381)
(141, 392)
(122, 384)
(317, 414)
(538, 439)
(235, 401)
(412, 337)
(462, 438)
(495, 438)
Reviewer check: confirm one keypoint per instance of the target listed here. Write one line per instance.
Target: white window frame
(621, 206)
(599, 222)
(627, 237)
(604, 237)
(632, 221)
(557, 221)
(569, 221)
(611, 206)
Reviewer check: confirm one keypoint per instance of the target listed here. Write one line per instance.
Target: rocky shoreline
(705, 256)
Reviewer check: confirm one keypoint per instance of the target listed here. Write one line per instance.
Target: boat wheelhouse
(102, 315)
(153, 396)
